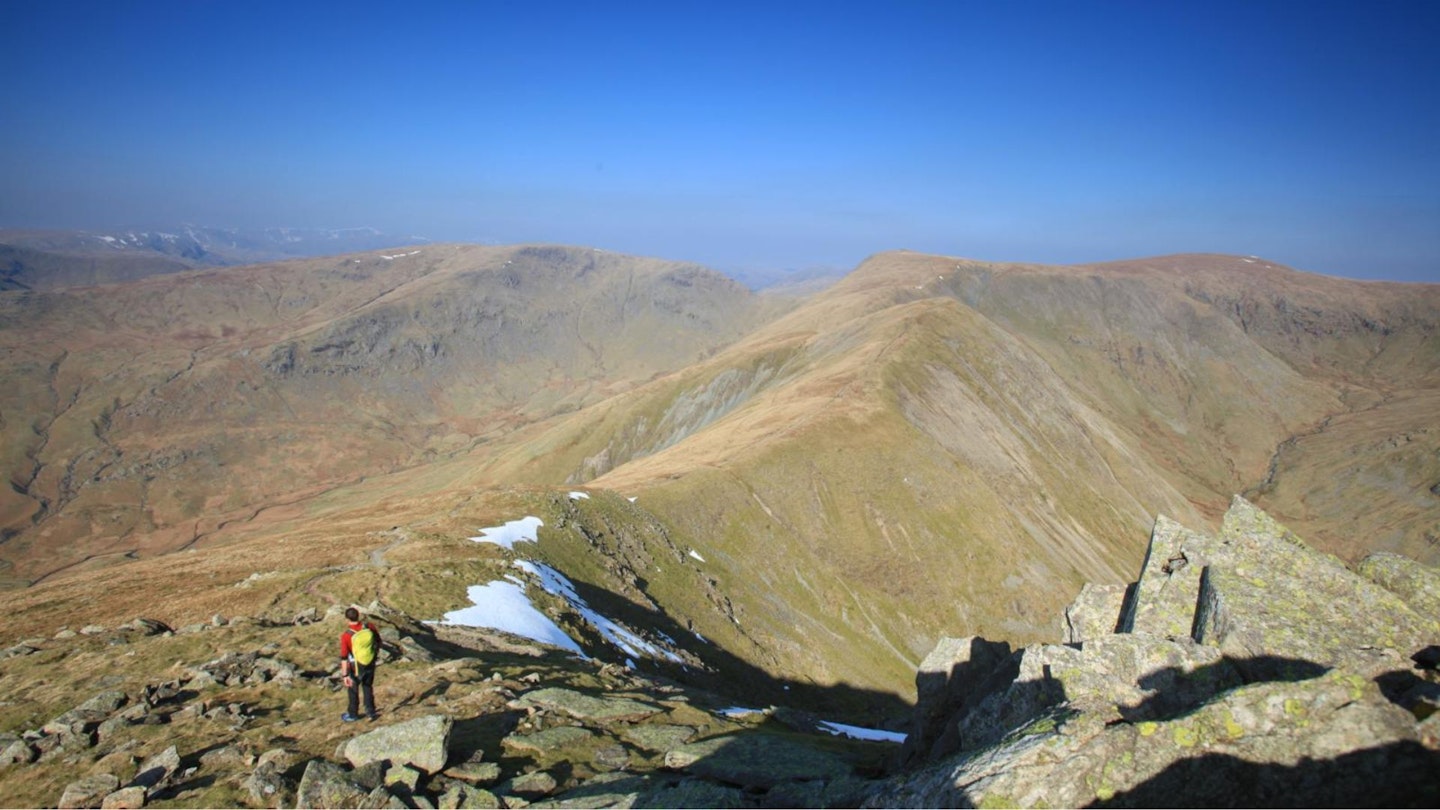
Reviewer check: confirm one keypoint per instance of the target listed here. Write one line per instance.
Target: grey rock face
(475, 773)
(530, 786)
(127, 798)
(267, 786)
(422, 742)
(658, 736)
(16, 751)
(1260, 745)
(158, 768)
(325, 784)
(1094, 613)
(755, 761)
(1269, 596)
(547, 740)
(1128, 677)
(1251, 670)
(89, 791)
(587, 708)
(959, 672)
(1417, 584)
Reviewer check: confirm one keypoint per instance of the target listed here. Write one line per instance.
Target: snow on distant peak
(525, 530)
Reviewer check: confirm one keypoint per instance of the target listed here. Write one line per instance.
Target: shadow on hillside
(744, 684)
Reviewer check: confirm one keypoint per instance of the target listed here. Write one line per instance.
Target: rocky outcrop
(423, 742)
(1418, 585)
(1249, 670)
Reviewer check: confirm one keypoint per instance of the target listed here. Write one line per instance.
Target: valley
(931, 445)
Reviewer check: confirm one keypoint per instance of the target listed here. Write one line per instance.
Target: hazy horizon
(746, 137)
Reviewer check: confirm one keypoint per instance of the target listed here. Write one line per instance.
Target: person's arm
(345, 658)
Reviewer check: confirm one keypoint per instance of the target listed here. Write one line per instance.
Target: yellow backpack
(363, 646)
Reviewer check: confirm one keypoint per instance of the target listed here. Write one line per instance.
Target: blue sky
(746, 137)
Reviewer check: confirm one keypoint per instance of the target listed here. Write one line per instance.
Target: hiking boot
(347, 717)
(372, 716)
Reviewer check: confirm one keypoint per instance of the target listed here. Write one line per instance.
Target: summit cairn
(1244, 668)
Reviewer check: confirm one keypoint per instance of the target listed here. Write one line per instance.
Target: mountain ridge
(931, 443)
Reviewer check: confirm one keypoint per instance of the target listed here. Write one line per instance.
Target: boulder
(1250, 670)
(327, 785)
(128, 798)
(89, 791)
(659, 737)
(1095, 612)
(1329, 741)
(530, 786)
(18, 650)
(755, 761)
(87, 715)
(158, 768)
(547, 740)
(422, 742)
(468, 797)
(1122, 676)
(1165, 595)
(1416, 583)
(482, 774)
(586, 708)
(16, 751)
(1274, 605)
(959, 672)
(268, 786)
(147, 627)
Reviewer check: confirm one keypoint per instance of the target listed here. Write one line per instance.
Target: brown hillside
(937, 445)
(138, 418)
(931, 446)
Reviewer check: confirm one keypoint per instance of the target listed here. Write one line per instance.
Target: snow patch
(504, 606)
(858, 733)
(578, 496)
(555, 583)
(525, 530)
(696, 555)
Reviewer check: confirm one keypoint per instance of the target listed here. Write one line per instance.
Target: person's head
(352, 614)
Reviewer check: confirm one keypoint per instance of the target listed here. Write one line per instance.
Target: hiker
(359, 645)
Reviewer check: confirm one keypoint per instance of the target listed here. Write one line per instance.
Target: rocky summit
(1241, 669)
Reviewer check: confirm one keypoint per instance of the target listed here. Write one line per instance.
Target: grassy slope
(143, 417)
(940, 447)
(933, 446)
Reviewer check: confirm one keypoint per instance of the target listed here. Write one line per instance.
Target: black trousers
(362, 679)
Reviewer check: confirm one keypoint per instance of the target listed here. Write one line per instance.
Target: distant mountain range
(50, 259)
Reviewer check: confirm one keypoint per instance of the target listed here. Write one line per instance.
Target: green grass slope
(937, 446)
